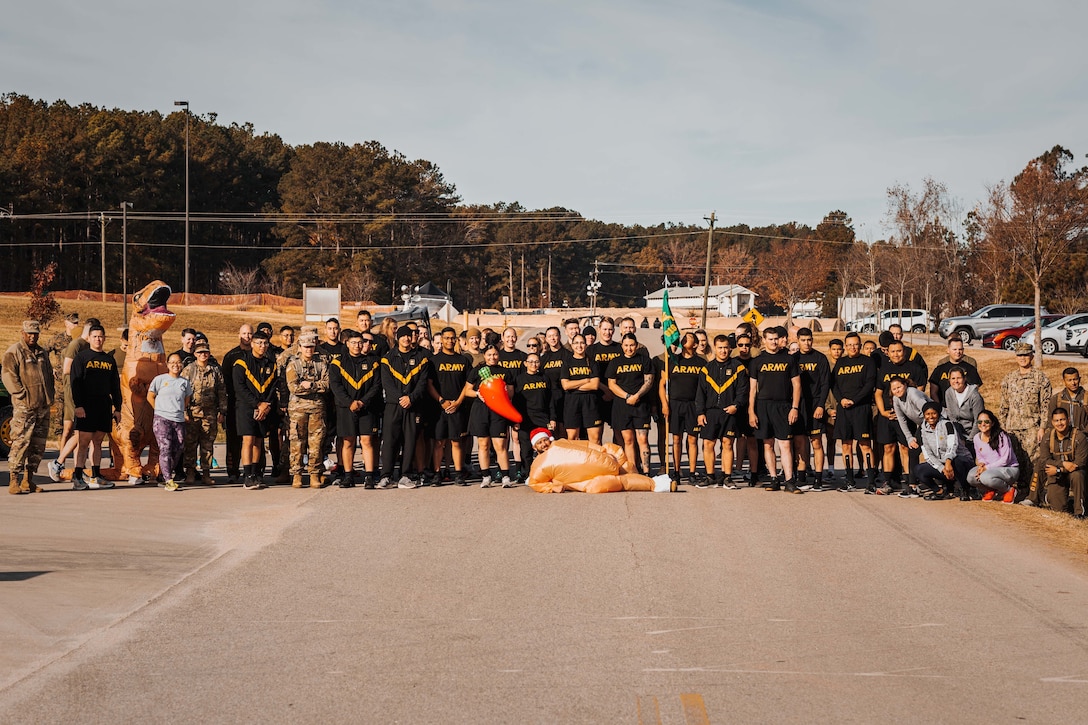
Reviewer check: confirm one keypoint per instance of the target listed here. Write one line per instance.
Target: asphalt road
(461, 605)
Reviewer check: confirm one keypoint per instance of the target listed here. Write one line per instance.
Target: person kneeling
(947, 458)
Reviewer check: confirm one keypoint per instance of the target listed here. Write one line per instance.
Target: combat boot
(190, 477)
(284, 476)
(296, 481)
(28, 485)
(316, 480)
(13, 486)
(206, 478)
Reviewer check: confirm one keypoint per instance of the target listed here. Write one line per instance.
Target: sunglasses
(743, 345)
(984, 422)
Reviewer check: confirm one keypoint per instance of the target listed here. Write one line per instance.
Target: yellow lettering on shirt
(773, 367)
(851, 369)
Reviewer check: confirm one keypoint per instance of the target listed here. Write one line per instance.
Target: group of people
(411, 407)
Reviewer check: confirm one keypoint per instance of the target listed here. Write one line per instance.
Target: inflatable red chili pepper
(492, 391)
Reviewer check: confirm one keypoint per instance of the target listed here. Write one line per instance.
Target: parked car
(1006, 339)
(1077, 339)
(987, 319)
(916, 321)
(1053, 338)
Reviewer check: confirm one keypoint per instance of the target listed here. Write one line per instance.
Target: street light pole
(125, 206)
(186, 104)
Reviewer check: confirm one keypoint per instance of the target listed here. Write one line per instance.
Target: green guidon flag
(668, 323)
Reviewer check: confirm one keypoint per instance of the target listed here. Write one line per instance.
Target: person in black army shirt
(938, 379)
(720, 400)
(853, 380)
(774, 403)
(602, 351)
(909, 352)
(746, 345)
(277, 423)
(230, 427)
(815, 385)
(889, 434)
(254, 376)
(355, 381)
(332, 348)
(486, 425)
(552, 361)
(404, 383)
(446, 386)
(630, 378)
(96, 394)
(678, 403)
(533, 399)
(580, 379)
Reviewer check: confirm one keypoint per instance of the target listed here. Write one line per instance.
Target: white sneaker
(95, 482)
(55, 469)
(1025, 502)
(406, 482)
(486, 483)
(384, 483)
(135, 480)
(506, 482)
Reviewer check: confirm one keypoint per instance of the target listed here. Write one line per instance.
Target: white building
(730, 300)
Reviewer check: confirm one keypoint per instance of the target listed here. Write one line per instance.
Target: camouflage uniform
(306, 409)
(28, 377)
(209, 401)
(1024, 402)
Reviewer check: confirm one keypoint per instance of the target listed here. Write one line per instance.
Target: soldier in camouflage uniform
(207, 411)
(28, 377)
(307, 377)
(1025, 395)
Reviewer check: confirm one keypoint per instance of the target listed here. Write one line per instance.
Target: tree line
(270, 217)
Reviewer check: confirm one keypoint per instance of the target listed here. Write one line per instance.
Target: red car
(1006, 339)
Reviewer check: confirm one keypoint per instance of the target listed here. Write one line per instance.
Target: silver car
(988, 319)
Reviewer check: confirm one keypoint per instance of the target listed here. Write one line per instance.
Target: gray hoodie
(966, 413)
(909, 408)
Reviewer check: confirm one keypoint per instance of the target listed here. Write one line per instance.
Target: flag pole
(670, 335)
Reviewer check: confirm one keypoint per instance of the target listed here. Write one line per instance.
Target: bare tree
(235, 280)
(360, 286)
(1039, 217)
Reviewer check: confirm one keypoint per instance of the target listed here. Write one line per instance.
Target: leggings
(171, 438)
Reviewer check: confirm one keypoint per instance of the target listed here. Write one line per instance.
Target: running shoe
(171, 485)
(55, 469)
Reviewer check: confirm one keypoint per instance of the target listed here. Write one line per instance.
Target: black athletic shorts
(247, 426)
(683, 418)
(451, 427)
(486, 423)
(854, 424)
(720, 424)
(349, 425)
(580, 411)
(98, 418)
(810, 425)
(774, 420)
(887, 431)
(630, 417)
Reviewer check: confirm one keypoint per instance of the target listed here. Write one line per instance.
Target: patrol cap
(260, 335)
(312, 329)
(32, 326)
(1023, 348)
(308, 341)
(202, 347)
(472, 332)
(404, 331)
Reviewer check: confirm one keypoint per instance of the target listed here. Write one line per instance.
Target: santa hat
(538, 435)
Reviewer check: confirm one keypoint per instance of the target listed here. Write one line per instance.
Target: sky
(628, 111)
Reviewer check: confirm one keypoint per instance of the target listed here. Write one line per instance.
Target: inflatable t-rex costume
(586, 467)
(146, 359)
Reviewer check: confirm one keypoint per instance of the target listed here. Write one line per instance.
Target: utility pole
(102, 223)
(706, 278)
(124, 253)
(592, 290)
(550, 302)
